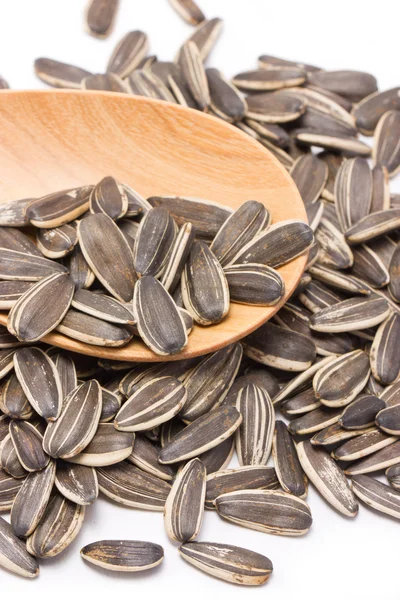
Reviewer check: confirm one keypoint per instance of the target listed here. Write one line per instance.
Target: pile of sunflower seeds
(161, 436)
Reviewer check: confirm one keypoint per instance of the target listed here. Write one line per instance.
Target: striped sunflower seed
(191, 63)
(354, 85)
(178, 257)
(218, 457)
(394, 273)
(61, 523)
(107, 447)
(128, 53)
(26, 267)
(275, 107)
(277, 245)
(361, 412)
(388, 419)
(154, 242)
(151, 404)
(90, 330)
(206, 217)
(280, 348)
(351, 314)
(100, 16)
(274, 78)
(14, 239)
(368, 445)
(326, 123)
(28, 321)
(145, 456)
(386, 457)
(393, 476)
(40, 381)
(31, 501)
(77, 483)
(321, 103)
(262, 378)
(254, 436)
(315, 420)
(225, 100)
(380, 189)
(59, 208)
(338, 383)
(11, 290)
(385, 359)
(317, 296)
(373, 225)
(67, 372)
(184, 508)
(111, 403)
(254, 284)
(210, 381)
(27, 442)
(353, 191)
(205, 290)
(310, 175)
(102, 307)
(12, 214)
(333, 250)
(391, 394)
(58, 242)
(189, 11)
(159, 322)
(144, 82)
(270, 131)
(339, 281)
(59, 74)
(368, 265)
(249, 477)
(300, 403)
(350, 146)
(204, 433)
(288, 469)
(9, 460)
(123, 555)
(126, 484)
(77, 423)
(9, 488)
(136, 203)
(13, 401)
(328, 478)
(386, 150)
(108, 255)
(335, 434)
(78, 269)
(13, 553)
(269, 511)
(377, 495)
(205, 36)
(229, 563)
(109, 197)
(370, 109)
(169, 430)
(266, 61)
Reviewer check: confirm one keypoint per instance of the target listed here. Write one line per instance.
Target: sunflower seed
(28, 321)
(109, 197)
(9, 459)
(277, 245)
(58, 242)
(254, 284)
(385, 360)
(188, 10)
(271, 132)
(126, 484)
(9, 488)
(58, 528)
(209, 382)
(203, 434)
(59, 208)
(140, 373)
(349, 146)
(392, 474)
(394, 272)
(301, 403)
(265, 61)
(77, 483)
(184, 508)
(288, 469)
(368, 266)
(225, 100)
(333, 249)
(276, 107)
(369, 110)
(314, 421)
(317, 296)
(351, 314)
(40, 381)
(108, 255)
(90, 330)
(67, 372)
(13, 401)
(377, 495)
(361, 412)
(136, 203)
(14, 239)
(111, 403)
(325, 104)
(205, 289)
(77, 423)
(370, 443)
(105, 82)
(373, 226)
(26, 267)
(108, 447)
(177, 257)
(31, 501)
(145, 456)
(205, 36)
(206, 217)
(10, 291)
(218, 457)
(13, 553)
(339, 382)
(327, 477)
(123, 555)
(12, 214)
(310, 175)
(103, 307)
(280, 348)
(273, 78)
(335, 434)
(386, 150)
(388, 419)
(143, 82)
(354, 85)
(353, 191)
(269, 511)
(386, 457)
(100, 16)
(263, 379)
(128, 53)
(374, 387)
(191, 63)
(380, 189)
(79, 270)
(251, 477)
(59, 74)
(229, 563)
(154, 242)
(254, 436)
(338, 280)
(27, 442)
(325, 122)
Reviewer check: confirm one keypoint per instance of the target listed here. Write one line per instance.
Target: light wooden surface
(51, 140)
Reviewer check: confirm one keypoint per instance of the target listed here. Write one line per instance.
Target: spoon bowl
(52, 140)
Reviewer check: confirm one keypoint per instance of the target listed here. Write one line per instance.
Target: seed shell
(386, 150)
(254, 284)
(335, 434)
(128, 53)
(368, 265)
(109, 197)
(123, 555)
(288, 469)
(76, 482)
(277, 107)
(102, 307)
(59, 208)
(310, 175)
(373, 225)
(188, 10)
(11, 291)
(205, 36)
(100, 16)
(361, 412)
(392, 474)
(377, 495)
(59, 74)
(339, 281)
(12, 214)
(191, 63)
(338, 383)
(9, 460)
(354, 85)
(27, 442)
(145, 456)
(218, 457)
(78, 269)
(26, 267)
(107, 447)
(58, 242)
(351, 314)
(9, 488)
(178, 257)
(13, 553)
(250, 477)
(225, 100)
(388, 419)
(14, 239)
(154, 242)
(91, 330)
(254, 436)
(13, 401)
(349, 146)
(315, 420)
(370, 109)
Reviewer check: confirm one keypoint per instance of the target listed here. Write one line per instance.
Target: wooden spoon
(51, 140)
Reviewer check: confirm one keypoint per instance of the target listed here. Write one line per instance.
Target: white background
(339, 557)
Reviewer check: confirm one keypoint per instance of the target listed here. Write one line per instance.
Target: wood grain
(50, 140)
